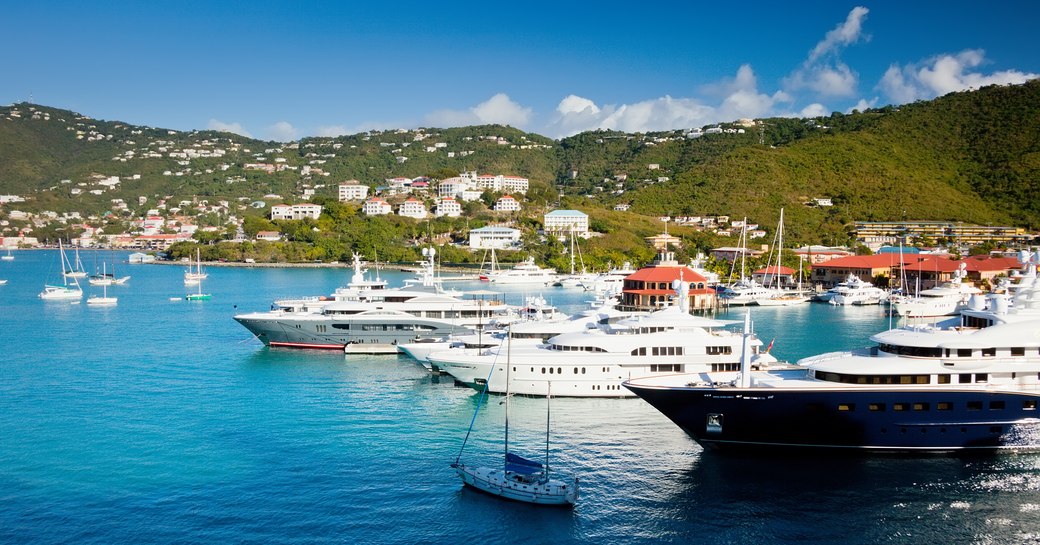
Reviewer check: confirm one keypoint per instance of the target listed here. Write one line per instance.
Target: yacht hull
(321, 332)
(728, 418)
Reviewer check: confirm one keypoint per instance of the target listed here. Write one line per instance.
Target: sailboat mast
(548, 402)
(509, 350)
(779, 248)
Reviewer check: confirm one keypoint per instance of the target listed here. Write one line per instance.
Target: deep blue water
(161, 421)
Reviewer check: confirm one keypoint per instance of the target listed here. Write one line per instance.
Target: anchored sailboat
(519, 478)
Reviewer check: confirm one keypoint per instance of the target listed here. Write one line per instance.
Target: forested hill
(969, 156)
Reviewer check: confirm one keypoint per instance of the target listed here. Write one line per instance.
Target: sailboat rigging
(519, 478)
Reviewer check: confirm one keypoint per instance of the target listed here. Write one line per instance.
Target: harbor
(156, 419)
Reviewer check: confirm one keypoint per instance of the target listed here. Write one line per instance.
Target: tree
(251, 225)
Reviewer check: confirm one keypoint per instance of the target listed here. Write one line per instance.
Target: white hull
(782, 301)
(52, 293)
(513, 486)
(102, 301)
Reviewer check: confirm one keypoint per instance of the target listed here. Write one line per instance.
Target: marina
(159, 420)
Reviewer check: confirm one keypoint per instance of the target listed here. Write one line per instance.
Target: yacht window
(920, 406)
(550, 370)
(943, 379)
(1029, 405)
(989, 351)
(963, 352)
(341, 326)
(876, 407)
(981, 377)
(655, 351)
(846, 406)
(899, 406)
(1018, 351)
(543, 370)
(559, 370)
(575, 370)
(944, 406)
(583, 370)
(964, 378)
(996, 405)
(974, 405)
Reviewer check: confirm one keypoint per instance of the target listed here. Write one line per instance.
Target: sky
(281, 71)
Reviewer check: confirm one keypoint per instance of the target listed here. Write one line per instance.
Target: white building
(413, 208)
(352, 191)
(506, 203)
(448, 206)
(376, 207)
(295, 211)
(494, 237)
(563, 222)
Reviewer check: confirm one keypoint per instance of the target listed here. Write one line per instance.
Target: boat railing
(829, 356)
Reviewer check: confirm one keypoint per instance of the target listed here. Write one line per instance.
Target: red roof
(665, 274)
(932, 264)
(987, 263)
(877, 261)
(773, 269)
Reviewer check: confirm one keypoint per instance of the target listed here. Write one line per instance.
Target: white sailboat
(783, 297)
(519, 478)
(575, 279)
(104, 299)
(105, 278)
(8, 256)
(193, 277)
(75, 270)
(65, 291)
(745, 291)
(198, 296)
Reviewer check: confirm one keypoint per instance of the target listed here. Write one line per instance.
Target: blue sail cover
(521, 465)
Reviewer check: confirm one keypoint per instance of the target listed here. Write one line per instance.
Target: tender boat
(855, 291)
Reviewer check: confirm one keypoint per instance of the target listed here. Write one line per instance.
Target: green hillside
(969, 156)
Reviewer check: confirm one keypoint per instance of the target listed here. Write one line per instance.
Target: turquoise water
(161, 421)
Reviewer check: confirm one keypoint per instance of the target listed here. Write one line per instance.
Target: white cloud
(498, 109)
(738, 97)
(574, 104)
(944, 74)
(844, 34)
(814, 110)
(282, 131)
(332, 131)
(218, 125)
(863, 105)
(823, 70)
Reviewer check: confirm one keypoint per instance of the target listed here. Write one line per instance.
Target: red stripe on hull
(308, 345)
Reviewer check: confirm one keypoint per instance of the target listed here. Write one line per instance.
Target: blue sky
(286, 70)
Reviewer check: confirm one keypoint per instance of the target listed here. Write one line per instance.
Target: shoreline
(340, 265)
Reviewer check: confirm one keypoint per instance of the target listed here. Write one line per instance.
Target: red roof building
(867, 267)
(650, 288)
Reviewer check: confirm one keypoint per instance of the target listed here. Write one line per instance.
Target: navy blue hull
(878, 420)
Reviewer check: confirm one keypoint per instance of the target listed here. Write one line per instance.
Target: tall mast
(509, 349)
(548, 402)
